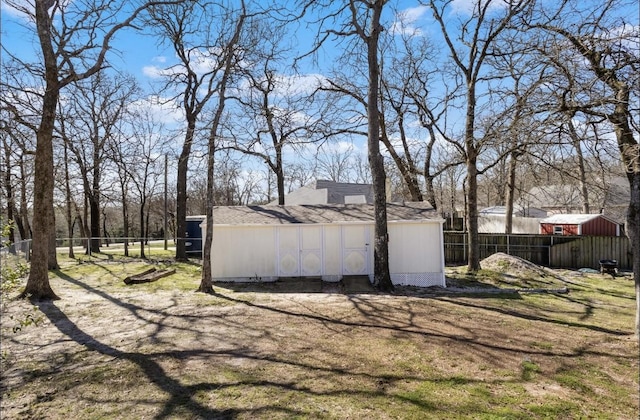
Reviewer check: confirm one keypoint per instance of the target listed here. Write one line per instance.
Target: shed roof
(319, 213)
(573, 219)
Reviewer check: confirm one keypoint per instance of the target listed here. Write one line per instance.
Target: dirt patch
(513, 266)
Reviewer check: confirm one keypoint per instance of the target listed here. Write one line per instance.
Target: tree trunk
(38, 287)
(181, 192)
(142, 228)
(85, 224)
(381, 275)
(280, 176)
(633, 232)
(472, 216)
(206, 281)
(10, 207)
(53, 257)
(630, 153)
(406, 168)
(24, 214)
(584, 192)
(94, 206)
(69, 201)
(430, 192)
(472, 182)
(511, 192)
(125, 223)
(9, 191)
(105, 232)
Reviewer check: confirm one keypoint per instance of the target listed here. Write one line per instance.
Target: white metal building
(264, 243)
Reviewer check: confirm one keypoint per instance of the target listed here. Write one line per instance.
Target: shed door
(311, 251)
(288, 252)
(299, 251)
(355, 250)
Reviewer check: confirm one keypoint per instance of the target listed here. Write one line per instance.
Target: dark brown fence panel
(546, 250)
(587, 251)
(534, 248)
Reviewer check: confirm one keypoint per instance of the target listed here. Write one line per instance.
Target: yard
(307, 350)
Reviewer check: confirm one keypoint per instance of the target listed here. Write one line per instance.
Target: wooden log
(130, 279)
(150, 276)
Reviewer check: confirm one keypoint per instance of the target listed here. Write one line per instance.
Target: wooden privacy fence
(545, 250)
(587, 251)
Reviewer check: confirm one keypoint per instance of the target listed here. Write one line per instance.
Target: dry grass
(159, 350)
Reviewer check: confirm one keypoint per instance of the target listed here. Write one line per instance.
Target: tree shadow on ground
(376, 316)
(182, 398)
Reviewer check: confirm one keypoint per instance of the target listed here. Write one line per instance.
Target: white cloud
(153, 72)
(201, 62)
(161, 108)
(19, 9)
(468, 6)
(406, 19)
(297, 84)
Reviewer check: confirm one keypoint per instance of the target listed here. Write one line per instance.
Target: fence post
(464, 246)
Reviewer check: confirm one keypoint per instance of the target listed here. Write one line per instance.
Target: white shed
(264, 243)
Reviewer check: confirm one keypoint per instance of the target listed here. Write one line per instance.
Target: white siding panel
(244, 252)
(332, 253)
(415, 254)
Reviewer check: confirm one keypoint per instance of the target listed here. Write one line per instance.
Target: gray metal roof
(329, 192)
(517, 211)
(572, 219)
(319, 213)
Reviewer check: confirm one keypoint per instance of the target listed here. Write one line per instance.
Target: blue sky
(135, 51)
(141, 55)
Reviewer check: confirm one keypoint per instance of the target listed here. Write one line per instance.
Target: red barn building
(579, 224)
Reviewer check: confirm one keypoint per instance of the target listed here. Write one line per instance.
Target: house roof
(572, 219)
(517, 211)
(319, 213)
(330, 192)
(555, 196)
(615, 192)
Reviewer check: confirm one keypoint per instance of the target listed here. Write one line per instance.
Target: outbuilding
(193, 244)
(579, 224)
(264, 243)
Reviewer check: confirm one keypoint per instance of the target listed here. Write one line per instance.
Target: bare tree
(8, 160)
(92, 112)
(230, 58)
(335, 162)
(369, 13)
(611, 67)
(469, 49)
(276, 111)
(144, 166)
(198, 34)
(359, 21)
(74, 39)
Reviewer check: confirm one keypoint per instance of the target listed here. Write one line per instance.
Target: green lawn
(161, 350)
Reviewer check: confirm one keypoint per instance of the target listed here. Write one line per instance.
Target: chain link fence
(110, 247)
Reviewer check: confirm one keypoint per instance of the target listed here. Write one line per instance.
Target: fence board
(587, 251)
(547, 250)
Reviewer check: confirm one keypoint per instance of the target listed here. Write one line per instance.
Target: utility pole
(166, 165)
